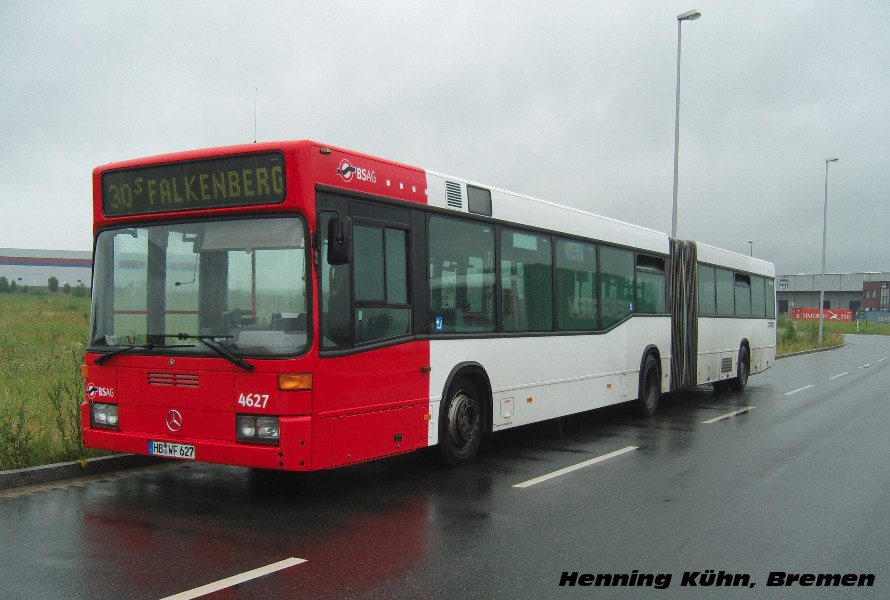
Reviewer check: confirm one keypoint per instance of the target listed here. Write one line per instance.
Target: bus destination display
(222, 182)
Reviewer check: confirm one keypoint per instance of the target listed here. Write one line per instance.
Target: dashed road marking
(236, 579)
(580, 465)
(800, 389)
(840, 375)
(728, 415)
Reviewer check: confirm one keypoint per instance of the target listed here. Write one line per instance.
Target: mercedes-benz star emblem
(174, 420)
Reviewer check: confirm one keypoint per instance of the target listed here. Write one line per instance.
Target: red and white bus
(297, 306)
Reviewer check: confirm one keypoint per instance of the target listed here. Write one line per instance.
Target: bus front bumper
(293, 452)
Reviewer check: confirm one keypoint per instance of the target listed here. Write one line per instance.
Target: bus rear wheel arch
(740, 381)
(649, 393)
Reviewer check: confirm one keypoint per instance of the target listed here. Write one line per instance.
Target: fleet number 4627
(253, 400)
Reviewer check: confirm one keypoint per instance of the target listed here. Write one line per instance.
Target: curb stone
(802, 352)
(72, 470)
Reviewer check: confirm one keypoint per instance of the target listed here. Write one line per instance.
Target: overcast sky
(568, 101)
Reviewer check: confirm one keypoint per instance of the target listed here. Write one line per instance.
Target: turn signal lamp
(289, 382)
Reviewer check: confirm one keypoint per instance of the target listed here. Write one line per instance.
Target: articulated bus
(295, 306)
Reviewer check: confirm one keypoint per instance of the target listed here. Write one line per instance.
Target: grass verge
(41, 350)
(804, 335)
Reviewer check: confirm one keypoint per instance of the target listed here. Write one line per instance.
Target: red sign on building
(812, 314)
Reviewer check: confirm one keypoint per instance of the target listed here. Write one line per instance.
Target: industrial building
(35, 267)
(842, 290)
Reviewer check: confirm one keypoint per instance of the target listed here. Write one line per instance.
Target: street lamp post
(751, 249)
(824, 235)
(692, 15)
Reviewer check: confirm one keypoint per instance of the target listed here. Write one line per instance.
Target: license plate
(184, 451)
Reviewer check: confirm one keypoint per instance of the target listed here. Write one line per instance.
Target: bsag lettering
(102, 392)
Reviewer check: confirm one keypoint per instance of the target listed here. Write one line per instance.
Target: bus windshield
(239, 283)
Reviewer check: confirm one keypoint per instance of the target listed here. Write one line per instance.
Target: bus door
(373, 373)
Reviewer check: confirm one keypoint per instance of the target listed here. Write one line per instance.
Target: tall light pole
(692, 15)
(824, 235)
(751, 252)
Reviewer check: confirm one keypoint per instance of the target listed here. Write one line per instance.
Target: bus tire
(740, 382)
(461, 423)
(650, 387)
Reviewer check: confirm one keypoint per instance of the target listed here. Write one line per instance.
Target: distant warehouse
(35, 267)
(845, 291)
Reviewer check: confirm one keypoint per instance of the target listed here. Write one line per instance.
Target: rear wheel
(650, 387)
(460, 423)
(741, 380)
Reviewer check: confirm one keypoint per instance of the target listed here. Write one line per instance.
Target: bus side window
(707, 292)
(758, 297)
(461, 276)
(725, 293)
(616, 284)
(382, 309)
(576, 286)
(651, 291)
(526, 281)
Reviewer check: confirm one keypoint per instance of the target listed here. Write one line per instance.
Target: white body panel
(734, 260)
(561, 374)
(720, 338)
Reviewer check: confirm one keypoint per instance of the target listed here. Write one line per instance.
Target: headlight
(267, 428)
(103, 415)
(257, 430)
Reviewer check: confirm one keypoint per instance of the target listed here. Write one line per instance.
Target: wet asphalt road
(797, 484)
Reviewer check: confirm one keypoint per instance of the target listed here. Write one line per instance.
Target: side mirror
(339, 240)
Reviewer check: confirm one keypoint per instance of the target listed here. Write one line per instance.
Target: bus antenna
(255, 92)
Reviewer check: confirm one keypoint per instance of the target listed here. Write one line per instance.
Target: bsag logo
(347, 171)
(100, 392)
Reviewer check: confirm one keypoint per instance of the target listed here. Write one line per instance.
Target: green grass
(41, 350)
(804, 335)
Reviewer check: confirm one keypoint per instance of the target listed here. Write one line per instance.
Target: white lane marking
(728, 415)
(580, 465)
(883, 359)
(800, 389)
(840, 375)
(865, 366)
(235, 580)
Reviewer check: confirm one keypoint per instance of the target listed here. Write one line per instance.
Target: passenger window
(616, 284)
(526, 281)
(707, 293)
(770, 297)
(758, 297)
(461, 278)
(742, 295)
(724, 292)
(576, 301)
(651, 293)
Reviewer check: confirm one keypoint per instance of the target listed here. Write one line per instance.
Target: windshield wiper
(105, 357)
(210, 342)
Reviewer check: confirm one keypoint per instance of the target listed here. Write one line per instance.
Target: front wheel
(460, 423)
(650, 387)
